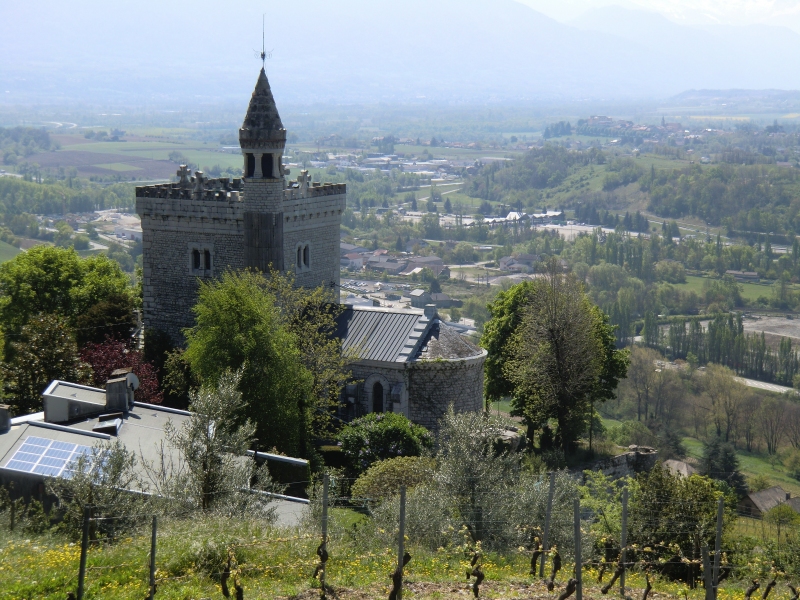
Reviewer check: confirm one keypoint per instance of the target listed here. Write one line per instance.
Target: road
(770, 387)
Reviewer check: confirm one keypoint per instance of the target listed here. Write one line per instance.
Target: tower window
(251, 165)
(200, 259)
(266, 166)
(303, 260)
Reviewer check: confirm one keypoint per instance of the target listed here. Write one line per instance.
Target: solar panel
(47, 457)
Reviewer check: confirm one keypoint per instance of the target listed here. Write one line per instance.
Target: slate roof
(768, 499)
(445, 342)
(262, 123)
(381, 334)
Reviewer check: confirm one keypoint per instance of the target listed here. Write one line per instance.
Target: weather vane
(264, 54)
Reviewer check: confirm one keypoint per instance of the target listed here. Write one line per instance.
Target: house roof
(446, 342)
(426, 260)
(768, 499)
(794, 503)
(418, 293)
(140, 429)
(679, 467)
(382, 334)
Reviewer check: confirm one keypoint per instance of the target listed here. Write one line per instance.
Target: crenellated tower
(197, 228)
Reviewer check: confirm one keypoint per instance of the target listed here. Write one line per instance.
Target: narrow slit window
(207, 257)
(251, 164)
(299, 257)
(306, 256)
(196, 260)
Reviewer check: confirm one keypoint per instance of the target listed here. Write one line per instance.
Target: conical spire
(262, 127)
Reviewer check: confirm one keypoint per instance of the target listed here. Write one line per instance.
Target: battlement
(297, 190)
(198, 187)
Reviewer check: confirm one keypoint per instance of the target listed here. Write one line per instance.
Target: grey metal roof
(381, 334)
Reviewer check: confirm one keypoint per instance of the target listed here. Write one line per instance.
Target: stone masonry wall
(315, 221)
(170, 229)
(172, 226)
(435, 385)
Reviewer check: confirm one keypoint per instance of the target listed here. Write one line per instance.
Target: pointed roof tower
(262, 127)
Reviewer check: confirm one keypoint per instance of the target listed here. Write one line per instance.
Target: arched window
(251, 165)
(207, 257)
(377, 397)
(307, 256)
(196, 259)
(299, 257)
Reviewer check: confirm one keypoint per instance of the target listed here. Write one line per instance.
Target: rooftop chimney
(430, 310)
(119, 391)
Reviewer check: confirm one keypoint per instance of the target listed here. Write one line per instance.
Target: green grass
(752, 464)
(7, 252)
(750, 291)
(270, 563)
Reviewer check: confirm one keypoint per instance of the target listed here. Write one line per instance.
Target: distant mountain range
(454, 51)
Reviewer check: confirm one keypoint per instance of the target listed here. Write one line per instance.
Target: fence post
(578, 559)
(623, 541)
(325, 485)
(707, 574)
(152, 593)
(401, 541)
(546, 540)
(84, 550)
(718, 545)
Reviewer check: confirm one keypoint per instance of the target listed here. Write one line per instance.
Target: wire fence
(707, 560)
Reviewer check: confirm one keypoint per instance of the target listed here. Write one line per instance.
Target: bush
(631, 432)
(792, 464)
(385, 477)
(479, 494)
(378, 436)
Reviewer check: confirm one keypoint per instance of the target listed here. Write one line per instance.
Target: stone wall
(639, 459)
(175, 220)
(171, 228)
(314, 219)
(428, 387)
(436, 384)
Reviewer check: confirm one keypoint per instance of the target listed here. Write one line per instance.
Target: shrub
(479, 494)
(378, 436)
(385, 477)
(792, 463)
(631, 432)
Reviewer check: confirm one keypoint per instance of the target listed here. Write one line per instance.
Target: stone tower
(199, 228)
(262, 139)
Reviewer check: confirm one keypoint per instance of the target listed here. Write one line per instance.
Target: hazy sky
(727, 12)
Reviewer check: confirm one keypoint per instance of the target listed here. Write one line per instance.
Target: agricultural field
(750, 291)
(135, 158)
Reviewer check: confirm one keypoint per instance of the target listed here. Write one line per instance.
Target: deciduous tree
(43, 351)
(562, 356)
(239, 327)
